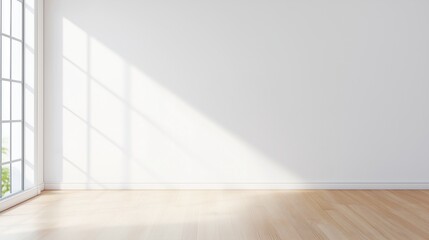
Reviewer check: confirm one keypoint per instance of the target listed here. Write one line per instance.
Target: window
(12, 97)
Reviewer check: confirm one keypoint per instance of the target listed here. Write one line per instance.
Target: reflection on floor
(219, 214)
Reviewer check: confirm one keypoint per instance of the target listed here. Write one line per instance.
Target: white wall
(236, 93)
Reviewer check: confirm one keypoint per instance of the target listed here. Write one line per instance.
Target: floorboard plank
(219, 214)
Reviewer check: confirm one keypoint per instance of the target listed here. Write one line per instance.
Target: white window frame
(37, 186)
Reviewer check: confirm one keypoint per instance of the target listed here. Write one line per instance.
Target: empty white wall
(236, 93)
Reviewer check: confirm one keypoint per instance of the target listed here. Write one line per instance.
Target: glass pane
(5, 100)
(5, 142)
(5, 16)
(16, 60)
(16, 19)
(5, 57)
(16, 177)
(16, 144)
(16, 110)
(5, 180)
(11, 95)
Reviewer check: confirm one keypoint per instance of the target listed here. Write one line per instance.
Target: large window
(12, 97)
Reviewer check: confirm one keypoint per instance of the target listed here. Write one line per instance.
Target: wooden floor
(216, 214)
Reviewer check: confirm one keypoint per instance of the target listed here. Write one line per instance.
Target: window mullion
(1, 99)
(10, 98)
(22, 93)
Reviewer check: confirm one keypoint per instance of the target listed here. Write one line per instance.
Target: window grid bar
(11, 121)
(13, 161)
(11, 80)
(10, 36)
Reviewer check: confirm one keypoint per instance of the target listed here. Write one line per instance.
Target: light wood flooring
(219, 214)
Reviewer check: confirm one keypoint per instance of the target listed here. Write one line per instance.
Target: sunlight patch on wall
(195, 144)
(120, 126)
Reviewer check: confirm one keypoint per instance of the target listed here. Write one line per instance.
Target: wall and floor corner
(236, 94)
(32, 105)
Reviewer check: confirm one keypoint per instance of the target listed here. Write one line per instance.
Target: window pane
(5, 100)
(16, 19)
(5, 142)
(16, 177)
(5, 16)
(11, 95)
(16, 144)
(5, 180)
(16, 60)
(5, 57)
(16, 101)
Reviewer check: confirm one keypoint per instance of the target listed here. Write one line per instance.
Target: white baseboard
(142, 186)
(20, 197)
